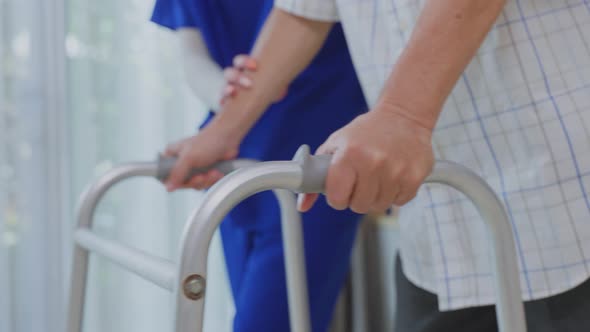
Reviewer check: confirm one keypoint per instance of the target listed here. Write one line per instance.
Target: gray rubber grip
(314, 168)
(165, 165)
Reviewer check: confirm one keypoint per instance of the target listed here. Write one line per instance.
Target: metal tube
(155, 269)
(358, 278)
(509, 306)
(94, 193)
(290, 175)
(191, 273)
(220, 199)
(160, 271)
(295, 267)
(88, 202)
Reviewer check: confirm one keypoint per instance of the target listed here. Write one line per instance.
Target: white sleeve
(205, 76)
(319, 10)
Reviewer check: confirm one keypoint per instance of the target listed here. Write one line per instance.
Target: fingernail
(245, 82)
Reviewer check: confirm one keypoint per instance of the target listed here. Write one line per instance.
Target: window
(84, 85)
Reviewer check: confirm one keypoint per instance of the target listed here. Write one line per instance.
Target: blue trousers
(254, 256)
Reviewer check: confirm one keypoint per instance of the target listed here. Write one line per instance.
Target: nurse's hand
(201, 150)
(237, 77)
(380, 159)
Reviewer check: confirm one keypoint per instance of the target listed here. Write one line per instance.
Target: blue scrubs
(322, 99)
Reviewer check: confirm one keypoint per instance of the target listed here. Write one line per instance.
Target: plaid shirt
(519, 116)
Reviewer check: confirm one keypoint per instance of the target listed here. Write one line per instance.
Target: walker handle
(165, 165)
(509, 307)
(314, 170)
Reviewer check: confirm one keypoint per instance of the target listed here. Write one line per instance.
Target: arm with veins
(204, 76)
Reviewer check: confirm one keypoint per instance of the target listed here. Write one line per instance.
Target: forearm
(446, 37)
(285, 46)
(204, 76)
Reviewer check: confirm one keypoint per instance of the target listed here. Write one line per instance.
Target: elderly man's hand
(379, 159)
(204, 149)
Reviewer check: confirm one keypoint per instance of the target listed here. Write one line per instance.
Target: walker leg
(78, 289)
(295, 269)
(358, 277)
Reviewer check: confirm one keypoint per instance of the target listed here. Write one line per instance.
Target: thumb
(306, 201)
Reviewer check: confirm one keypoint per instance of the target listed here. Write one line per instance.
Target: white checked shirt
(519, 116)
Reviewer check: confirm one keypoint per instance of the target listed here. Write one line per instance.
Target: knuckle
(393, 176)
(338, 166)
(375, 161)
(353, 150)
(380, 157)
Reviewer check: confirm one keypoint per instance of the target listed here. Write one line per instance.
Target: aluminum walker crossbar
(187, 276)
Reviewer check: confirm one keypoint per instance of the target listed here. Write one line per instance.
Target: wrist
(238, 115)
(415, 115)
(413, 94)
(227, 133)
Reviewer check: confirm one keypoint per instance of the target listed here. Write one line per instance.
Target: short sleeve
(172, 14)
(320, 10)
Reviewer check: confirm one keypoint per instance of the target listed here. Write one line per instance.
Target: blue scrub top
(322, 99)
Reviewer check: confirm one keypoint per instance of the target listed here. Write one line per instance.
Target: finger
(340, 184)
(306, 201)
(410, 183)
(196, 182)
(178, 174)
(231, 75)
(365, 191)
(244, 81)
(245, 62)
(229, 91)
(234, 76)
(335, 197)
(406, 194)
(203, 180)
(388, 192)
(210, 178)
(387, 196)
(408, 190)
